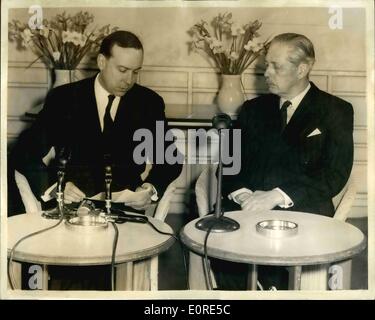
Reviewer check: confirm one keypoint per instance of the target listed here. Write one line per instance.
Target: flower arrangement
(232, 47)
(62, 42)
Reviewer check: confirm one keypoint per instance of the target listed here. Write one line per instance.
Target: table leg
(314, 277)
(154, 274)
(145, 279)
(252, 277)
(197, 280)
(295, 278)
(124, 276)
(45, 277)
(17, 275)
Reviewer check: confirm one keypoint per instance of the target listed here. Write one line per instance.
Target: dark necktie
(108, 122)
(283, 111)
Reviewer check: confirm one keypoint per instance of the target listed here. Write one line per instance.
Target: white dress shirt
(101, 96)
(295, 102)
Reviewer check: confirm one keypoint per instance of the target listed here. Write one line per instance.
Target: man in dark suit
(297, 141)
(94, 120)
(92, 123)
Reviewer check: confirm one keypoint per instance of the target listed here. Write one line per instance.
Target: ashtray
(277, 228)
(87, 223)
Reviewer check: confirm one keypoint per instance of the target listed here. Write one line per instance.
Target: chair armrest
(29, 200)
(343, 208)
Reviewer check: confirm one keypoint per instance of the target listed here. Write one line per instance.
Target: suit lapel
(87, 103)
(304, 118)
(270, 116)
(128, 110)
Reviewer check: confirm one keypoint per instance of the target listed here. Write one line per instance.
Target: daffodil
(26, 35)
(56, 55)
(234, 55)
(44, 32)
(236, 30)
(230, 45)
(62, 41)
(254, 45)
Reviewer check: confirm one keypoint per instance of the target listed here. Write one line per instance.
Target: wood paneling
(168, 79)
(181, 85)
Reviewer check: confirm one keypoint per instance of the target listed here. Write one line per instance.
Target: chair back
(30, 202)
(206, 190)
(343, 202)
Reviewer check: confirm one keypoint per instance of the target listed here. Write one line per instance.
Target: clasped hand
(261, 200)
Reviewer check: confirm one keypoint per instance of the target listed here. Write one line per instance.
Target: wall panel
(181, 76)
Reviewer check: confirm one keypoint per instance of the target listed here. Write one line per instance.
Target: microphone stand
(108, 193)
(59, 190)
(217, 222)
(60, 211)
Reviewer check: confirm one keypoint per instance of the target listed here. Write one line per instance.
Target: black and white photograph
(187, 150)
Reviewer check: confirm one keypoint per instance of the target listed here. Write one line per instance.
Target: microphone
(62, 160)
(63, 157)
(221, 121)
(217, 222)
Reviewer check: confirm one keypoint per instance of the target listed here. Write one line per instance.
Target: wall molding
(188, 84)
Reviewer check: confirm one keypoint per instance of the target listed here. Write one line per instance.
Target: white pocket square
(314, 133)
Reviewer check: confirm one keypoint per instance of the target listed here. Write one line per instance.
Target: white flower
(44, 32)
(56, 55)
(254, 45)
(236, 29)
(76, 38)
(66, 36)
(83, 40)
(233, 55)
(216, 50)
(26, 35)
(215, 43)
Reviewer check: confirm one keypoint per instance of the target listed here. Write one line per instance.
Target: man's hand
(72, 193)
(143, 200)
(262, 200)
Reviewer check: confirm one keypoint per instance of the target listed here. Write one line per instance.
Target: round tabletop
(65, 246)
(319, 240)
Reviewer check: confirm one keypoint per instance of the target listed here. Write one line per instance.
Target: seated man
(93, 121)
(297, 143)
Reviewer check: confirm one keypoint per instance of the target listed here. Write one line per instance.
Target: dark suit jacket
(70, 119)
(310, 170)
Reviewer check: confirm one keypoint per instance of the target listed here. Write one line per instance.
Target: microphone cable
(10, 261)
(206, 265)
(174, 236)
(114, 247)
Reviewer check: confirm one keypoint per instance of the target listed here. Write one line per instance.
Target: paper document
(123, 196)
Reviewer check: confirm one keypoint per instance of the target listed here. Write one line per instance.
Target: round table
(71, 247)
(320, 240)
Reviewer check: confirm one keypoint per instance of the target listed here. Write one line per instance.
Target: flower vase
(63, 76)
(231, 96)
